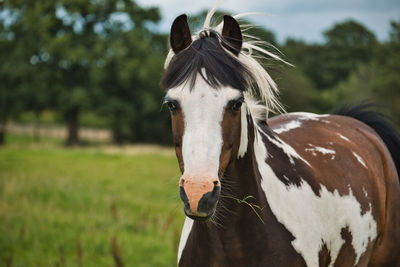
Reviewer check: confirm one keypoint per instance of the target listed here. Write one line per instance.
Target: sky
(301, 19)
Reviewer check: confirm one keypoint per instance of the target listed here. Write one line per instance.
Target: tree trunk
(117, 129)
(2, 132)
(71, 117)
(2, 135)
(36, 127)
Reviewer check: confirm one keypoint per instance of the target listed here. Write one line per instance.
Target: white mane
(262, 84)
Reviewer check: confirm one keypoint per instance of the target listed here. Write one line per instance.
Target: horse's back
(349, 158)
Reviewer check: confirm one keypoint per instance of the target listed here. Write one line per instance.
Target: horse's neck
(245, 180)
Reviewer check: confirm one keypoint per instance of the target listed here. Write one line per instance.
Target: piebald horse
(299, 189)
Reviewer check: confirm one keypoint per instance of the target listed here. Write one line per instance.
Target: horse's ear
(180, 37)
(232, 34)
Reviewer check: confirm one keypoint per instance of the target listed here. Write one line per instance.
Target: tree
(385, 86)
(12, 66)
(348, 44)
(130, 94)
(377, 80)
(9, 92)
(63, 43)
(307, 58)
(298, 92)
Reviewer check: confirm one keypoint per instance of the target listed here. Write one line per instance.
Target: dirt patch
(138, 149)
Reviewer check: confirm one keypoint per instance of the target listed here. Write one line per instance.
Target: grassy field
(87, 207)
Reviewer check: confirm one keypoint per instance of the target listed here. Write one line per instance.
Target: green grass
(63, 207)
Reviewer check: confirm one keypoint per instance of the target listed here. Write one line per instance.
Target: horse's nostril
(183, 196)
(208, 201)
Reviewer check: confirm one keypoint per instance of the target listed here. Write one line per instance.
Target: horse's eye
(235, 105)
(172, 105)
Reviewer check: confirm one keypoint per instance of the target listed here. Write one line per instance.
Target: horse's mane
(261, 93)
(206, 57)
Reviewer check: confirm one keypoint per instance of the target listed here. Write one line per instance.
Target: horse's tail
(380, 123)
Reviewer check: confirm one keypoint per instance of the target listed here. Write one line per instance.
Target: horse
(297, 189)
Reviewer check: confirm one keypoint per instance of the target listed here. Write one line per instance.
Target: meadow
(90, 206)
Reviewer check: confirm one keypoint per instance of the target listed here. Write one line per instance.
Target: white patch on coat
(314, 220)
(343, 137)
(309, 116)
(187, 228)
(203, 110)
(325, 151)
(288, 126)
(360, 159)
(365, 192)
(244, 140)
(287, 149)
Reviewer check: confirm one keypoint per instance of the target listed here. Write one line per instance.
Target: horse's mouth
(199, 216)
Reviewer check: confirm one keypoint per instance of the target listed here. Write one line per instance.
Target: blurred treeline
(102, 60)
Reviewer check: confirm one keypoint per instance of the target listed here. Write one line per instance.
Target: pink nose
(199, 194)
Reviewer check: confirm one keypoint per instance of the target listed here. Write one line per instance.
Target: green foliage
(64, 207)
(307, 58)
(351, 67)
(131, 95)
(348, 45)
(298, 93)
(81, 56)
(386, 86)
(377, 81)
(395, 32)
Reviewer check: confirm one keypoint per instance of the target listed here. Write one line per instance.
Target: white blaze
(203, 110)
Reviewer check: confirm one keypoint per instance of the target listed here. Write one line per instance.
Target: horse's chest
(249, 243)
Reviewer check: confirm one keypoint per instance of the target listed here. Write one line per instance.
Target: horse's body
(359, 200)
(298, 190)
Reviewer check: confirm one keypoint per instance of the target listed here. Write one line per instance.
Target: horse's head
(205, 84)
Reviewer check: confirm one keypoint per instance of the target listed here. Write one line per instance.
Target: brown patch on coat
(347, 254)
(231, 131)
(324, 256)
(178, 128)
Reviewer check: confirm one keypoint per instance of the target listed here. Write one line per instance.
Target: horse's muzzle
(199, 197)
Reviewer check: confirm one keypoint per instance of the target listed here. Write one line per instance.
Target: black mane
(220, 67)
